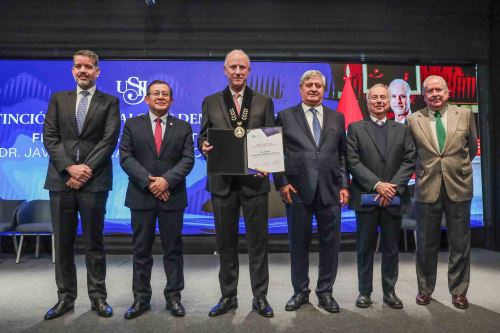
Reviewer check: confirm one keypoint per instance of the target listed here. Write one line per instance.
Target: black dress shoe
(59, 309)
(328, 303)
(363, 301)
(263, 308)
(102, 308)
(225, 304)
(423, 299)
(175, 307)
(296, 301)
(393, 301)
(460, 301)
(136, 310)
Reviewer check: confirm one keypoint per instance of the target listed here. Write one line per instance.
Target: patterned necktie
(316, 126)
(440, 131)
(158, 136)
(81, 111)
(236, 103)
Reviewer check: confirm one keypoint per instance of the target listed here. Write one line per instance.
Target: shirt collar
(90, 90)
(442, 111)
(242, 92)
(376, 119)
(153, 117)
(318, 108)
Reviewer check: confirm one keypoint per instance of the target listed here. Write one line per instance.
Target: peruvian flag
(348, 103)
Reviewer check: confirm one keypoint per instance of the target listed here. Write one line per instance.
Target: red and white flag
(348, 103)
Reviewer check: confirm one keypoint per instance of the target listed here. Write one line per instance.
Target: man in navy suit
(156, 152)
(314, 183)
(381, 157)
(79, 133)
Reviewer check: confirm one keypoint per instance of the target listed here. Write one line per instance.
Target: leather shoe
(328, 303)
(423, 299)
(460, 301)
(263, 308)
(393, 301)
(296, 301)
(102, 308)
(136, 310)
(175, 307)
(363, 301)
(225, 304)
(59, 309)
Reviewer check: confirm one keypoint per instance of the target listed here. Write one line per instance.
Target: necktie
(158, 136)
(380, 122)
(81, 111)
(440, 131)
(236, 103)
(316, 126)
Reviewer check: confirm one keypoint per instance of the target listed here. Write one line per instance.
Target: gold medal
(239, 132)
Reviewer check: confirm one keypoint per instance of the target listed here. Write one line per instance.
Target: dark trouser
(144, 227)
(366, 241)
(299, 237)
(227, 213)
(429, 217)
(65, 207)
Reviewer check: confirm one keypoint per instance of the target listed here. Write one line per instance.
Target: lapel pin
(171, 124)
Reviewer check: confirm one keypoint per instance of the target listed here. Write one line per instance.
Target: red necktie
(236, 103)
(158, 136)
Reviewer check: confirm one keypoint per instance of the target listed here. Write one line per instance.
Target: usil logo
(134, 91)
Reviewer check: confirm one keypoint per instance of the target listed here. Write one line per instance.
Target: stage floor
(28, 290)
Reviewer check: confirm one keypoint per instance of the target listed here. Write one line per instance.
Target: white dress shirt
(153, 117)
(79, 97)
(309, 115)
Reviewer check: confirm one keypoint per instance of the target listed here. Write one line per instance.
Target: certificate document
(265, 150)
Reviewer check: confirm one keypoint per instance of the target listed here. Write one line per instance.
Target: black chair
(8, 219)
(34, 219)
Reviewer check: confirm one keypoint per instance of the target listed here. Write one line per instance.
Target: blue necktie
(316, 126)
(81, 111)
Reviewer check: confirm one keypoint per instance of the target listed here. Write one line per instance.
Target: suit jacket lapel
(94, 102)
(371, 134)
(170, 127)
(452, 120)
(148, 130)
(223, 108)
(71, 106)
(327, 123)
(425, 126)
(302, 121)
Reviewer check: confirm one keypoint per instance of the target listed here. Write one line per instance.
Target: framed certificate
(260, 150)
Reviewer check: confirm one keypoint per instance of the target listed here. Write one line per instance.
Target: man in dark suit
(156, 152)
(314, 183)
(248, 109)
(446, 141)
(381, 159)
(80, 133)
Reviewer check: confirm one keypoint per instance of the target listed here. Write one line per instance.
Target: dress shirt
(376, 120)
(153, 117)
(80, 96)
(240, 97)
(432, 121)
(309, 115)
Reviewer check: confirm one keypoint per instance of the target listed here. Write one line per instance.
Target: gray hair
(432, 77)
(310, 74)
(368, 93)
(87, 53)
(236, 51)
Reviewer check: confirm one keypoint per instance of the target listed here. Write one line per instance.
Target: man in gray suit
(381, 158)
(80, 133)
(314, 183)
(446, 141)
(238, 107)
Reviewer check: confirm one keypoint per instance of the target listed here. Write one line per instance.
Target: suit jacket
(139, 160)
(368, 164)
(215, 115)
(308, 166)
(453, 165)
(96, 141)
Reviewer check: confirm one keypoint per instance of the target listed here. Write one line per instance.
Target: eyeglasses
(159, 93)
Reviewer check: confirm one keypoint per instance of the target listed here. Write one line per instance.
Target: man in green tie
(446, 141)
